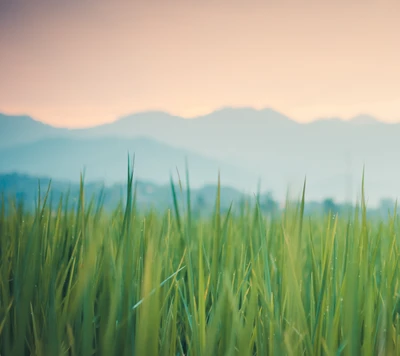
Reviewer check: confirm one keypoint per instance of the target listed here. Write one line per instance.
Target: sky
(79, 63)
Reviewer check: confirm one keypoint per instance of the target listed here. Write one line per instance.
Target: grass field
(85, 282)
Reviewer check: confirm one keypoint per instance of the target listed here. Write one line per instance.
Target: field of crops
(86, 282)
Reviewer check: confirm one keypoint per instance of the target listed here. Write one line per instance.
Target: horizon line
(195, 117)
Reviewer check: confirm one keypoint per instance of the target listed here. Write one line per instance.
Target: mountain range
(247, 146)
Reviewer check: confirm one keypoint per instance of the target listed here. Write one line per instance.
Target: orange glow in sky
(82, 63)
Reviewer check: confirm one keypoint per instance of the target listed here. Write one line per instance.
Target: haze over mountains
(245, 144)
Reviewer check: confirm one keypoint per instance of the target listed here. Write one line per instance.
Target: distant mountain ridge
(20, 129)
(142, 123)
(261, 144)
(106, 159)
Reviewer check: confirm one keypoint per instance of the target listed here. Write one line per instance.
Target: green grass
(86, 282)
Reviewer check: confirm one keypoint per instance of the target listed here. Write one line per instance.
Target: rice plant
(89, 282)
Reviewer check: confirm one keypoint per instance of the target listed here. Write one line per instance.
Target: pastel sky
(85, 62)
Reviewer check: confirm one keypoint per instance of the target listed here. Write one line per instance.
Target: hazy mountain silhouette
(106, 159)
(330, 152)
(15, 130)
(218, 134)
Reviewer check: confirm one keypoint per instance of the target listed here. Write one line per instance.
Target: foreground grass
(85, 282)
